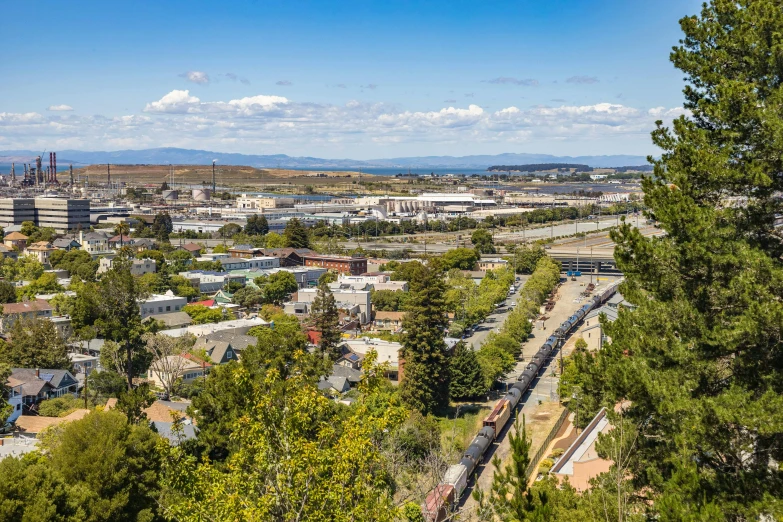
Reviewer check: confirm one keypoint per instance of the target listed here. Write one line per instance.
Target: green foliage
(200, 314)
(46, 284)
(60, 406)
(105, 384)
(248, 297)
(35, 343)
(76, 262)
(425, 385)
(274, 240)
(467, 380)
(257, 225)
(483, 241)
(95, 469)
(416, 438)
(462, 258)
(26, 268)
(323, 312)
(134, 401)
(499, 352)
(389, 300)
(698, 359)
(7, 292)
(526, 257)
(229, 230)
(112, 309)
(333, 468)
(277, 287)
(295, 235)
(327, 277)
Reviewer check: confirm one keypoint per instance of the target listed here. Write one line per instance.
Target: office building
(60, 214)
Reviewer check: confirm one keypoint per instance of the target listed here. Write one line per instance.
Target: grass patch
(459, 426)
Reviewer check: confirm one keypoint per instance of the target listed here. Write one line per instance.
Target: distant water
(392, 171)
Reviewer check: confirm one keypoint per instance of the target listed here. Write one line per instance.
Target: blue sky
(359, 79)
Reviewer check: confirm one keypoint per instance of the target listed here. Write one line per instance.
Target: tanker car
(448, 492)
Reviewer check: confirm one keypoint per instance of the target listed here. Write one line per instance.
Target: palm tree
(122, 229)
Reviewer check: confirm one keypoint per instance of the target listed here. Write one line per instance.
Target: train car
(499, 416)
(438, 503)
(513, 395)
(457, 476)
(488, 433)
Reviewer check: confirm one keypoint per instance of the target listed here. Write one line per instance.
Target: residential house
(172, 319)
(8, 252)
(238, 342)
(192, 248)
(245, 251)
(289, 257)
(144, 243)
(83, 364)
(354, 351)
(161, 304)
(16, 240)
(186, 367)
(118, 241)
(95, 243)
(346, 299)
(138, 266)
(235, 326)
(581, 462)
(15, 394)
(485, 265)
(208, 282)
(12, 312)
(67, 244)
(42, 384)
(334, 385)
(41, 251)
(391, 321)
(220, 352)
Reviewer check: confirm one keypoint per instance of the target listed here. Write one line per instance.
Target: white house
(161, 304)
(138, 266)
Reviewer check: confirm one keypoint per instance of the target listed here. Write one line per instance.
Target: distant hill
(541, 167)
(176, 156)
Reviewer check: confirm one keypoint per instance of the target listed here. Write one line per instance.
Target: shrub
(59, 407)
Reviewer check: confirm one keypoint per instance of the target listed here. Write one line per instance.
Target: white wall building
(360, 298)
(162, 304)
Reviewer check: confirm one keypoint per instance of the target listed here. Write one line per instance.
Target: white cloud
(273, 123)
(176, 102)
(59, 108)
(582, 79)
(199, 77)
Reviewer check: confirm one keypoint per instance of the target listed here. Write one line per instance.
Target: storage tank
(170, 194)
(202, 194)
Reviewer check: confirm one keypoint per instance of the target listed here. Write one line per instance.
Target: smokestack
(213, 178)
(70, 171)
(54, 173)
(38, 170)
(108, 174)
(13, 173)
(51, 167)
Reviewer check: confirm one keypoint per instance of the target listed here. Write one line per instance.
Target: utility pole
(591, 265)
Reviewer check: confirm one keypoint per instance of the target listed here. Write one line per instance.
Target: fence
(540, 453)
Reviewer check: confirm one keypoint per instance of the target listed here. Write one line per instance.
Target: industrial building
(58, 213)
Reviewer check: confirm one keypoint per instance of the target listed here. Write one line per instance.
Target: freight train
(448, 492)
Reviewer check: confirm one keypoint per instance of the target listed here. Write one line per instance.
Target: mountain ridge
(179, 156)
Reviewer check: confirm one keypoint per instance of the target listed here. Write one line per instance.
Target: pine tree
(326, 320)
(425, 381)
(466, 378)
(295, 235)
(700, 360)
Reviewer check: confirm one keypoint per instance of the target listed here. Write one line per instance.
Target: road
(495, 320)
